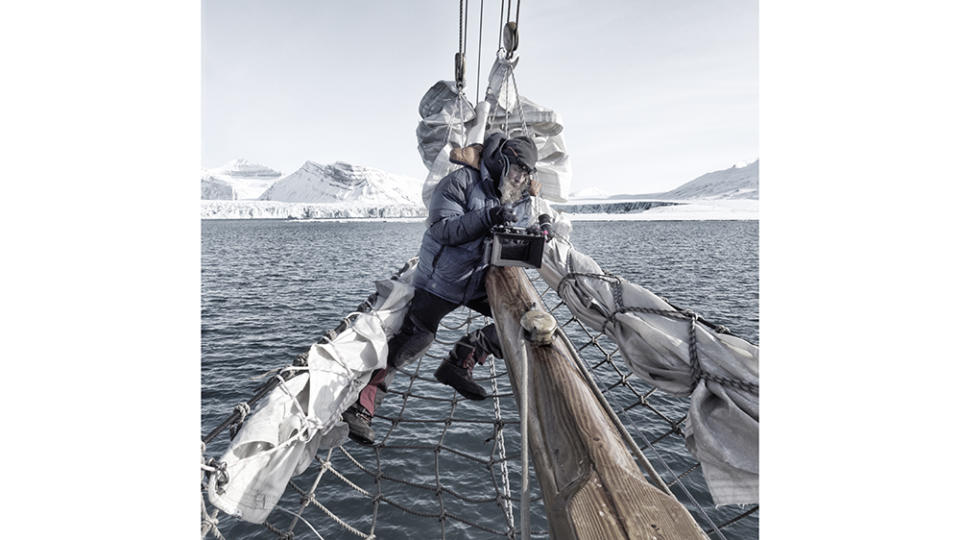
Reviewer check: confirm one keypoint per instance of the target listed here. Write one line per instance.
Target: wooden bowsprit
(592, 486)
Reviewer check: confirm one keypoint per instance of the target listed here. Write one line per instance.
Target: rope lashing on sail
(696, 369)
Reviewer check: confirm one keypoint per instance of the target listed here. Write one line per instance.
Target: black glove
(501, 214)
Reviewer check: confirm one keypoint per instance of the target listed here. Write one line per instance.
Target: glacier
(580, 210)
(595, 206)
(286, 210)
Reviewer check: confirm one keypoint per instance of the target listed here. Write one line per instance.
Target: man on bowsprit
(451, 271)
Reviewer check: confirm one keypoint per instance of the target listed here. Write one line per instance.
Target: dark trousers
(415, 336)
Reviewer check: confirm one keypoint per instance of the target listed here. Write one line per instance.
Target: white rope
(305, 522)
(208, 522)
(306, 422)
(501, 449)
(313, 488)
(516, 90)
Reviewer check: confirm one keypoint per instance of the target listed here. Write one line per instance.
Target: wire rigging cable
(499, 32)
(479, 50)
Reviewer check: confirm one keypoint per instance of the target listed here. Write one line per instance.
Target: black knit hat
(521, 150)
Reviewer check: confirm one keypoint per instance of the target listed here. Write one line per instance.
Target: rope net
(434, 447)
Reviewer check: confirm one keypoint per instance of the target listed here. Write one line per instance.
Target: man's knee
(477, 345)
(411, 342)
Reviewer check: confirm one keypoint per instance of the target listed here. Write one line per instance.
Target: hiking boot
(358, 419)
(461, 379)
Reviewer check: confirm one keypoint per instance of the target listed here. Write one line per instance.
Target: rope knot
(243, 409)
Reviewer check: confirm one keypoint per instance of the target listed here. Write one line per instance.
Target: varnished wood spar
(591, 485)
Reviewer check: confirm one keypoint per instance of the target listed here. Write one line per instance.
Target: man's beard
(510, 192)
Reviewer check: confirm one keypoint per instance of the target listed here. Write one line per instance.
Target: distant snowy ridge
(345, 183)
(238, 179)
(737, 182)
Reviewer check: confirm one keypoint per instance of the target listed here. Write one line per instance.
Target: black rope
(460, 28)
(500, 29)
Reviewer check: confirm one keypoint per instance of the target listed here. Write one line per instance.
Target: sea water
(270, 289)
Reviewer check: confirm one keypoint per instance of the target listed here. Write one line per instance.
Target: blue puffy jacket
(451, 255)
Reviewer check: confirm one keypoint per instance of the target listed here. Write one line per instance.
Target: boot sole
(359, 439)
(473, 396)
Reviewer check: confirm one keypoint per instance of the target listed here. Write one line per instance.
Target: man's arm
(450, 223)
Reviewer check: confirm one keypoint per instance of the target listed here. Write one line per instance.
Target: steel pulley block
(511, 39)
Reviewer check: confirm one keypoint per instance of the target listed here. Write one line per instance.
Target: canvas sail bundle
(303, 414)
(720, 372)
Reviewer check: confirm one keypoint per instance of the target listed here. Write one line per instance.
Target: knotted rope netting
(432, 446)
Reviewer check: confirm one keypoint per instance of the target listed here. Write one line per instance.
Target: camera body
(514, 246)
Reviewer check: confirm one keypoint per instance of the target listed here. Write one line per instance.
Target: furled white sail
(449, 120)
(303, 414)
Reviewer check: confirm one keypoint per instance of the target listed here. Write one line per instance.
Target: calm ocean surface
(270, 289)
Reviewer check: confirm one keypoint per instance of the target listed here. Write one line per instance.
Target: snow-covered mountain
(238, 179)
(345, 183)
(738, 182)
(213, 189)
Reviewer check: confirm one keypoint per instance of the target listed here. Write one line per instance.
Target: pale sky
(652, 92)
